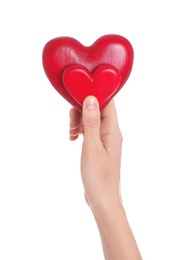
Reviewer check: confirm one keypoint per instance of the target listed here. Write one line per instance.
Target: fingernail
(91, 103)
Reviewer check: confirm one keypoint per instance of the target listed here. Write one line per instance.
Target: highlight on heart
(76, 71)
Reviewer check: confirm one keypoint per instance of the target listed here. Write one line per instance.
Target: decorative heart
(62, 52)
(102, 83)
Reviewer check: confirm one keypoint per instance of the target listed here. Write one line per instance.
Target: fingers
(109, 114)
(75, 124)
(111, 135)
(96, 125)
(110, 119)
(91, 119)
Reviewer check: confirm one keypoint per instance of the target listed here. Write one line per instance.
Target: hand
(101, 151)
(100, 171)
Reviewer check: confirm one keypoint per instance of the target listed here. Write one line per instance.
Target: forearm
(117, 239)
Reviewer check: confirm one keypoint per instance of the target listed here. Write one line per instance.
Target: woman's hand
(101, 151)
(100, 171)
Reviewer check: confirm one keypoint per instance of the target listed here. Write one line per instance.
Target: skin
(100, 172)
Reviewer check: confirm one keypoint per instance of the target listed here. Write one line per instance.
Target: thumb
(91, 118)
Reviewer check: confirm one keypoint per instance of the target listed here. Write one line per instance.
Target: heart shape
(62, 52)
(102, 83)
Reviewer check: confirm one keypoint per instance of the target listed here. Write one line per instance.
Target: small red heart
(102, 83)
(62, 52)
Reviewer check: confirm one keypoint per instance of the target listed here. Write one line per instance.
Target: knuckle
(119, 138)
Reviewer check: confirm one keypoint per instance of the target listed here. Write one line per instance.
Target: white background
(43, 214)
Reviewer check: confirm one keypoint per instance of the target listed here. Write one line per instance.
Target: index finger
(109, 114)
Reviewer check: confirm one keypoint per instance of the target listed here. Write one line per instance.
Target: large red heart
(102, 83)
(61, 52)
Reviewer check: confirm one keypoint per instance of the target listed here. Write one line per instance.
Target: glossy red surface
(97, 66)
(103, 82)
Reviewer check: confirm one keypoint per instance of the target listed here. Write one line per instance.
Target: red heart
(102, 83)
(61, 52)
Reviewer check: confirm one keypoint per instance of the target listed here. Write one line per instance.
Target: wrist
(106, 207)
(107, 200)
